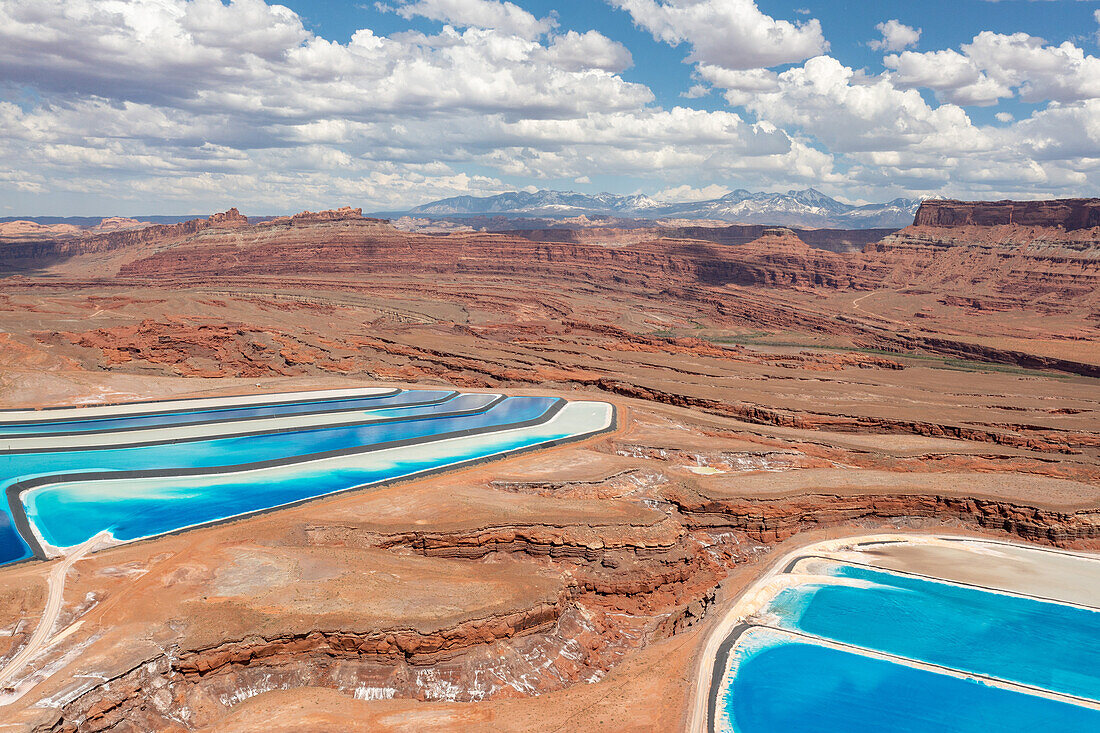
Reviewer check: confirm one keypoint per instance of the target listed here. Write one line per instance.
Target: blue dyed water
(790, 686)
(190, 417)
(215, 452)
(70, 514)
(12, 546)
(1047, 645)
(419, 422)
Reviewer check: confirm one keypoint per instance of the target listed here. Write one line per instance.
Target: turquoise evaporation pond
(218, 414)
(267, 446)
(785, 686)
(1048, 645)
(73, 513)
(220, 452)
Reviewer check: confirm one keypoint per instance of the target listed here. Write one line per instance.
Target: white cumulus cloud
(734, 34)
(686, 193)
(503, 16)
(589, 50)
(1041, 72)
(954, 76)
(895, 36)
(994, 66)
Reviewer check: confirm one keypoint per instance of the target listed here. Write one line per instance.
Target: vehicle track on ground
(42, 634)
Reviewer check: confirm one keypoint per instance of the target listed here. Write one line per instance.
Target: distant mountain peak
(807, 208)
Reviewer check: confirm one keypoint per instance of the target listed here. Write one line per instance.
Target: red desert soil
(770, 392)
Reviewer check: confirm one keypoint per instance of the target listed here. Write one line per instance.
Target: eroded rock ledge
(1068, 214)
(776, 519)
(674, 563)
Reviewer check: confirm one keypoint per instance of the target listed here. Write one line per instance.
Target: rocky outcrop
(545, 647)
(305, 218)
(342, 214)
(204, 349)
(393, 644)
(1033, 250)
(199, 685)
(979, 352)
(779, 258)
(159, 233)
(22, 229)
(228, 219)
(1067, 214)
(644, 569)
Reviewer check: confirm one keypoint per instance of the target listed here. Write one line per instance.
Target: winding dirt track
(56, 583)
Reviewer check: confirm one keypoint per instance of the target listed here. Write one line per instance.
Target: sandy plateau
(770, 394)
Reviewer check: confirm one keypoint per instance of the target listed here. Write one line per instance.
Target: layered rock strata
(1067, 214)
(32, 252)
(396, 662)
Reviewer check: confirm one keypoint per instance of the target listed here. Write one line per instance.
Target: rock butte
(941, 377)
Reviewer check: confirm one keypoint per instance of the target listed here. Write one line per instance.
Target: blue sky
(178, 106)
(848, 26)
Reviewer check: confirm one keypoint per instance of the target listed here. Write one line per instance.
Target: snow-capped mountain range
(806, 208)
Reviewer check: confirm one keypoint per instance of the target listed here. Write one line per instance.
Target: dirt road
(56, 583)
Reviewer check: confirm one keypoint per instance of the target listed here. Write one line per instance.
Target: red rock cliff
(1068, 214)
(365, 245)
(47, 250)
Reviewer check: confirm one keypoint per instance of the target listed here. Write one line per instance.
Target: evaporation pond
(1049, 645)
(787, 686)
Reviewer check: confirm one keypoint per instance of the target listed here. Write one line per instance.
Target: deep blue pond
(1048, 645)
(790, 686)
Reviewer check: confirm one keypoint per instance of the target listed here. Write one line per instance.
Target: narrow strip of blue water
(232, 451)
(69, 514)
(191, 417)
(12, 546)
(792, 686)
(1033, 642)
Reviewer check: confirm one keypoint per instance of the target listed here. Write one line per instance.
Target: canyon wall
(361, 247)
(1068, 214)
(1030, 250)
(1026, 251)
(835, 240)
(1031, 264)
(21, 253)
